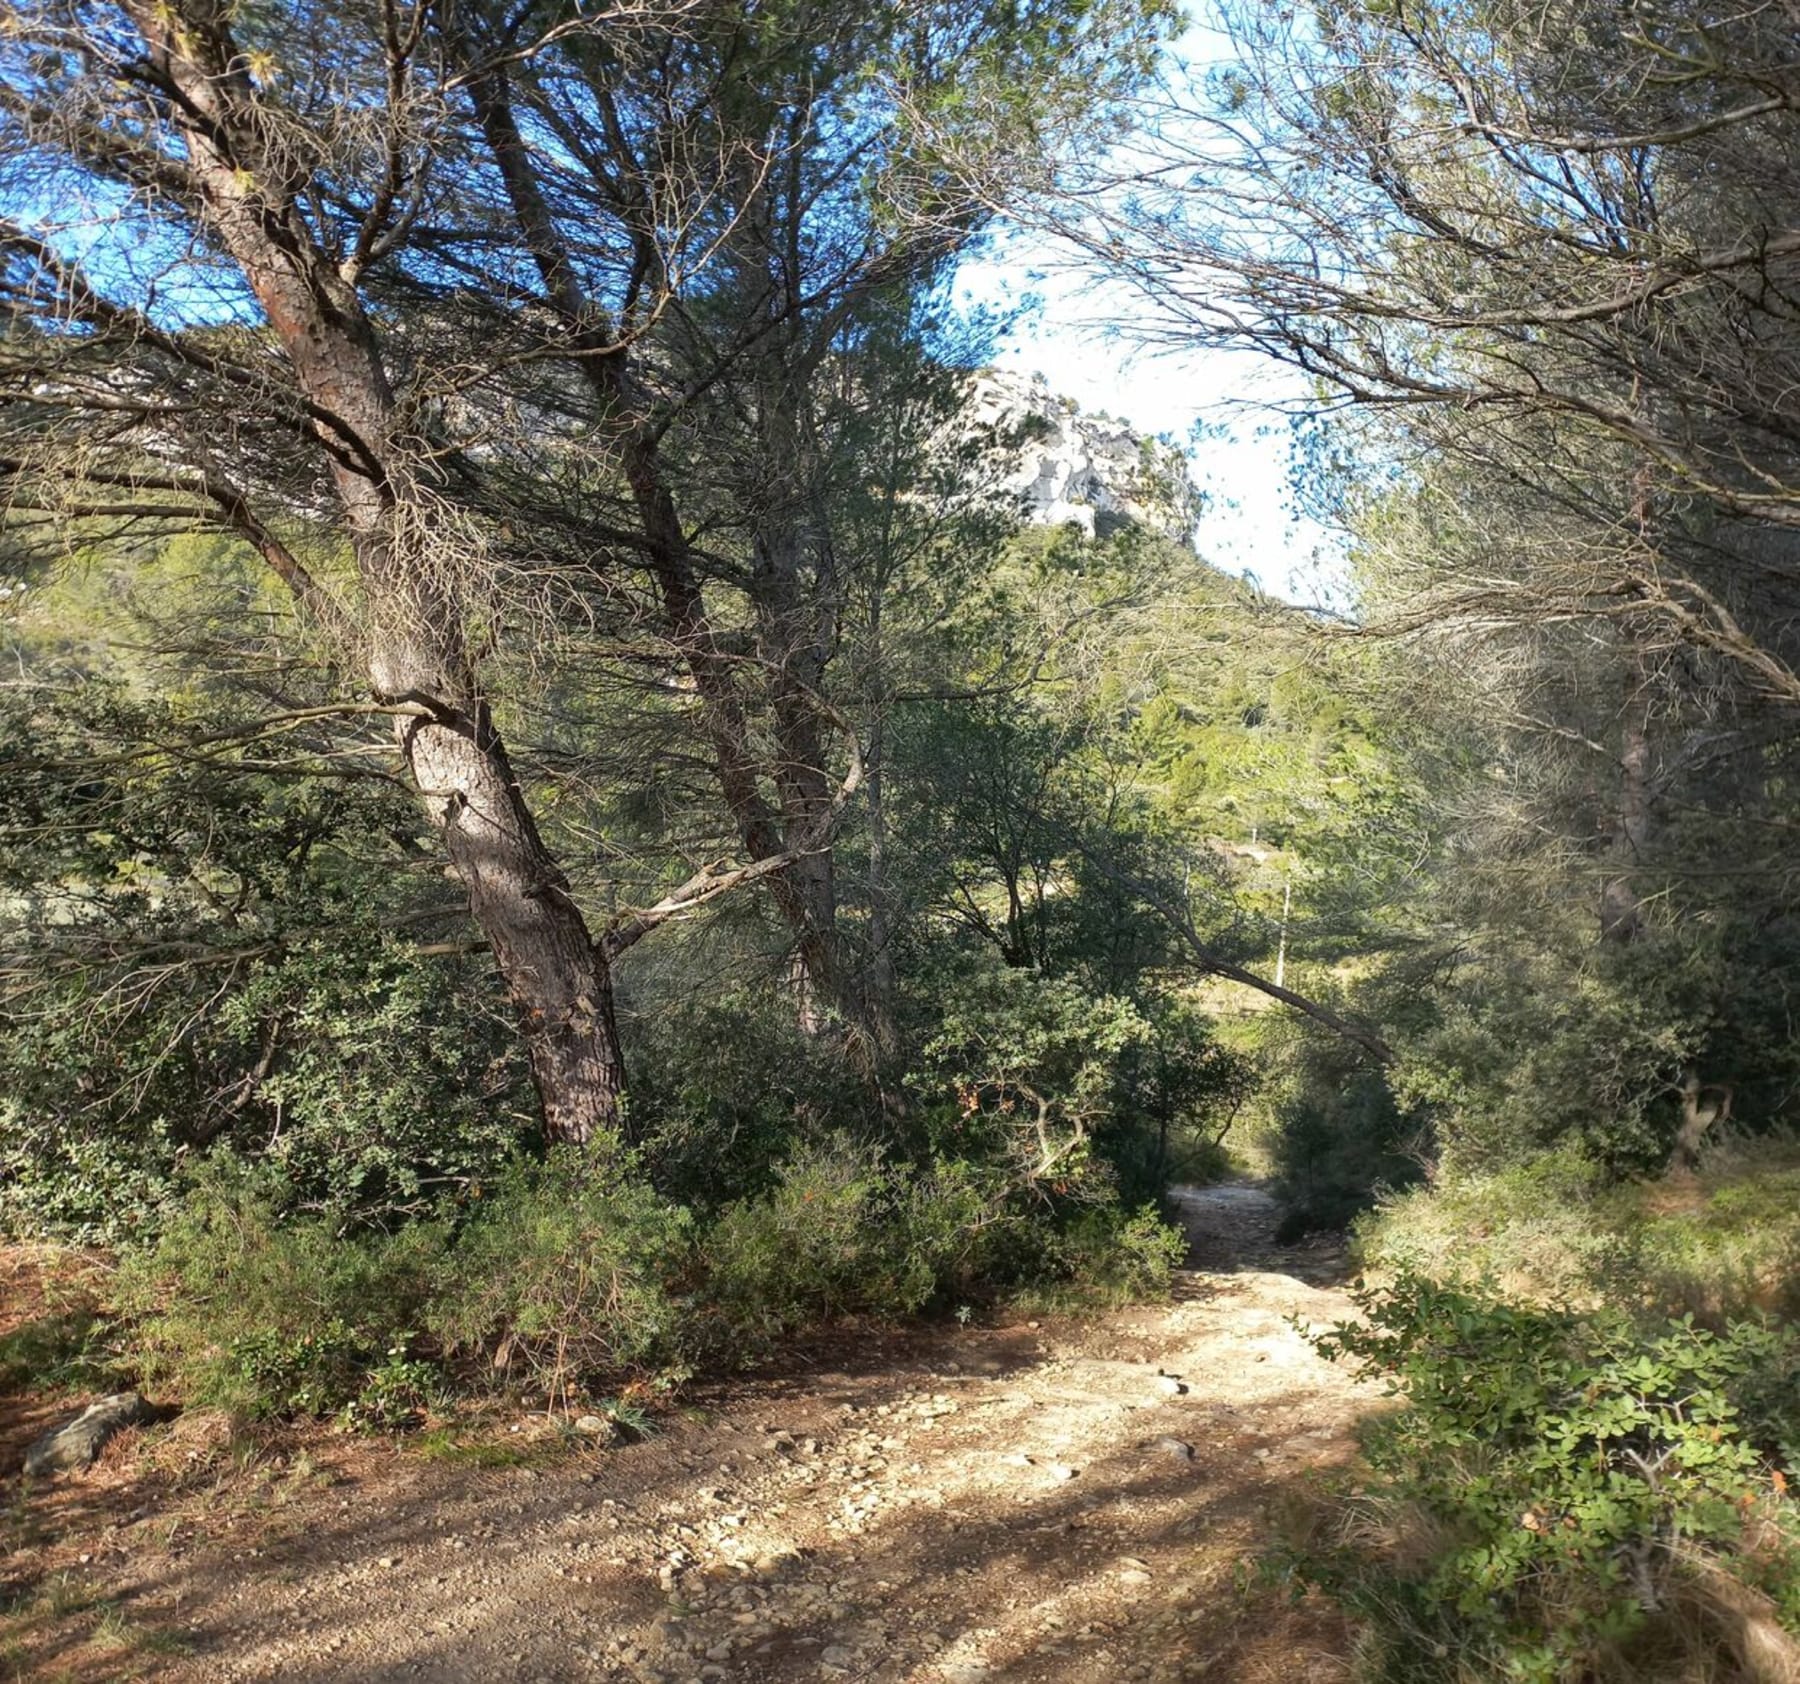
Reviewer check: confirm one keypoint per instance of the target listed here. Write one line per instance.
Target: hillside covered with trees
(585, 799)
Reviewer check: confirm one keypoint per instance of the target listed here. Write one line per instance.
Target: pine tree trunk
(795, 624)
(416, 656)
(559, 983)
(881, 988)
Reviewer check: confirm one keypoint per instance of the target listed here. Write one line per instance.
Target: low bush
(245, 1303)
(1532, 1229)
(568, 1271)
(844, 1232)
(1562, 1493)
(78, 1178)
(1109, 1255)
(829, 1238)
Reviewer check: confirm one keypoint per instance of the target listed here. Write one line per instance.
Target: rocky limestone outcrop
(1068, 466)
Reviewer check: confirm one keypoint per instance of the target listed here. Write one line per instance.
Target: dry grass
(1720, 1243)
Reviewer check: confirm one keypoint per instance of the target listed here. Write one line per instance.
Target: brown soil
(1080, 1501)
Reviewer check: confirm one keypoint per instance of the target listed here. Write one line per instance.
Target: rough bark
(881, 985)
(793, 593)
(251, 193)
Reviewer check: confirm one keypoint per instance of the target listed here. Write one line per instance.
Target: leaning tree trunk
(252, 193)
(559, 982)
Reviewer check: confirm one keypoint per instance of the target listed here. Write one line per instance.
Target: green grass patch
(463, 1450)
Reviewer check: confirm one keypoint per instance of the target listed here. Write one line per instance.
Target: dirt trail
(1073, 1502)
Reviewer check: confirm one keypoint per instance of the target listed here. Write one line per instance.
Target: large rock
(76, 1443)
(1068, 466)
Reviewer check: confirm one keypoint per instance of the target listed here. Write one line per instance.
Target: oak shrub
(1563, 1494)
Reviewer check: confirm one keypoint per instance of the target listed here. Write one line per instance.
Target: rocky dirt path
(1073, 1502)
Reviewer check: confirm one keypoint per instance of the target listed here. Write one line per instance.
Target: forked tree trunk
(251, 193)
(794, 633)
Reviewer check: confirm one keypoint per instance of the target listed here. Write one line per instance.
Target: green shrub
(371, 1111)
(1560, 1041)
(317, 1038)
(1026, 1071)
(246, 1303)
(1340, 1139)
(1116, 1255)
(275, 1373)
(396, 1393)
(839, 1232)
(843, 1232)
(72, 1173)
(1555, 1484)
(567, 1272)
(724, 1091)
(564, 1272)
(381, 1112)
(1533, 1228)
(1728, 1240)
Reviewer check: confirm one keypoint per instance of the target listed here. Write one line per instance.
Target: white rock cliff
(1089, 469)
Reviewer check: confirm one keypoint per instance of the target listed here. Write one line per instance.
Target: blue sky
(1079, 337)
(1080, 340)
(1228, 410)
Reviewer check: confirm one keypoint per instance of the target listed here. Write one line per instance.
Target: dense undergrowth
(1565, 1495)
(565, 1280)
(1589, 1474)
(1724, 1240)
(743, 604)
